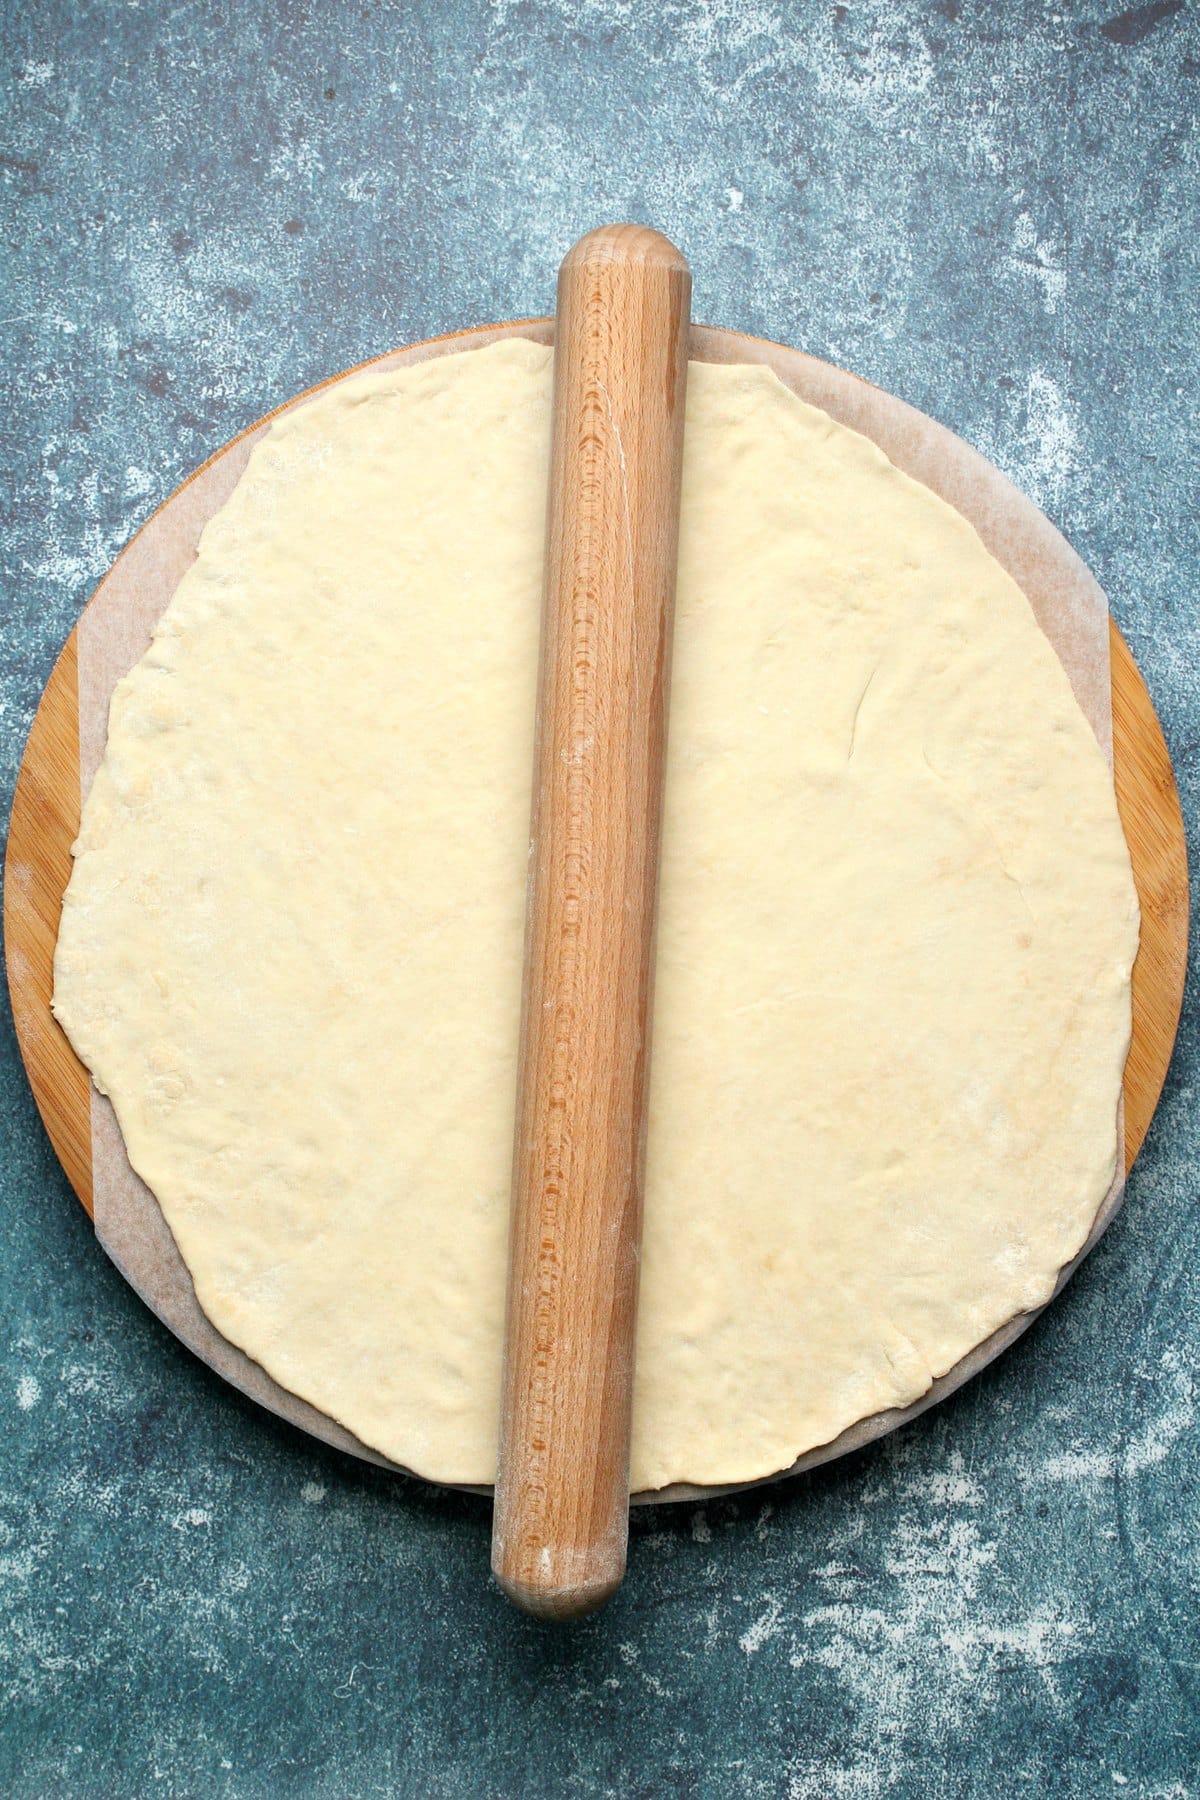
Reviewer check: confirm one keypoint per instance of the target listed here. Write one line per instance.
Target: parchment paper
(115, 631)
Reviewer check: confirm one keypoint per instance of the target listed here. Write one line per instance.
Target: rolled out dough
(896, 933)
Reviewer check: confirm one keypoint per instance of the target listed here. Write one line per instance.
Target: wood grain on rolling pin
(562, 1488)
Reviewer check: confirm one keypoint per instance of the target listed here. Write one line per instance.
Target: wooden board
(45, 820)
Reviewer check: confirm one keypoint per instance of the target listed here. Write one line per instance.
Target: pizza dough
(896, 932)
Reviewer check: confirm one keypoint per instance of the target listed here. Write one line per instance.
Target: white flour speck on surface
(1035, 1640)
(1037, 443)
(194, 1519)
(1039, 261)
(1077, 1465)
(1174, 1418)
(1052, 441)
(764, 1627)
(345, 1687)
(952, 1486)
(883, 71)
(934, 1571)
(29, 1392)
(312, 1493)
(138, 482)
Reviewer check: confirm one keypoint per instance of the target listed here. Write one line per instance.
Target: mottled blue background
(987, 208)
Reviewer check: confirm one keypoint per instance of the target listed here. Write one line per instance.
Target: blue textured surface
(990, 210)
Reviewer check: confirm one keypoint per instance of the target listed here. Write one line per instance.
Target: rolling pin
(562, 1487)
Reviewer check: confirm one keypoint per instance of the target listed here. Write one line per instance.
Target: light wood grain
(1148, 801)
(45, 821)
(562, 1484)
(37, 867)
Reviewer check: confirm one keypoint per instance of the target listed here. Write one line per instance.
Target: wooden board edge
(37, 866)
(1148, 802)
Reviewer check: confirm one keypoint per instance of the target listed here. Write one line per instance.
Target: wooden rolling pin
(562, 1487)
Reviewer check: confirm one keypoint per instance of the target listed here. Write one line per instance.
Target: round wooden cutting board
(46, 807)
